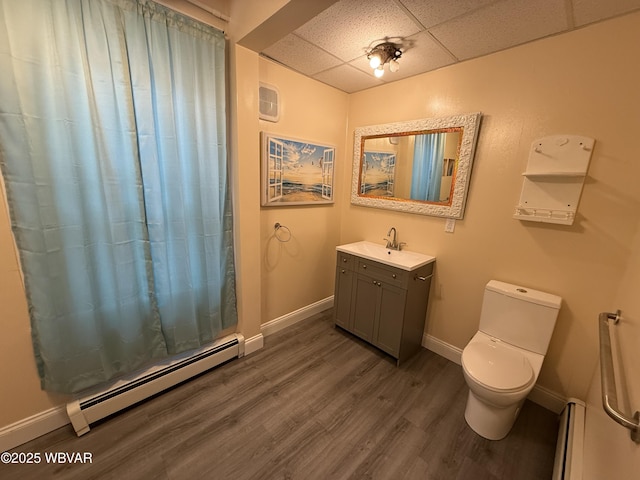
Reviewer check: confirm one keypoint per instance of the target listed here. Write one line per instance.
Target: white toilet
(502, 361)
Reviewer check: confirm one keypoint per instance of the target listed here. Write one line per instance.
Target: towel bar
(609, 396)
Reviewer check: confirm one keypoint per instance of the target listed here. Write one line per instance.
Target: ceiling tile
(501, 25)
(347, 28)
(424, 54)
(331, 46)
(297, 53)
(434, 12)
(588, 11)
(347, 78)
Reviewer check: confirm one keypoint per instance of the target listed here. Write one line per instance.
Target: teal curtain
(428, 159)
(113, 151)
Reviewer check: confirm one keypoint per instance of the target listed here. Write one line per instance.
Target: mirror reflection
(412, 166)
(418, 166)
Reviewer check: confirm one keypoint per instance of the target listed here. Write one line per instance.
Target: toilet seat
(497, 367)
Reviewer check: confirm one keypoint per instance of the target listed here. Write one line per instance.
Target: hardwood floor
(314, 403)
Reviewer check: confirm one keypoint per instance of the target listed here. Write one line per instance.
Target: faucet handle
(400, 245)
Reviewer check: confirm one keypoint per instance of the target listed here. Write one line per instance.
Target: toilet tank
(520, 316)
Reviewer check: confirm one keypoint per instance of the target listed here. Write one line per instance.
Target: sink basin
(403, 259)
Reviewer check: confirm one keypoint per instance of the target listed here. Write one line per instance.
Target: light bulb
(394, 66)
(378, 72)
(375, 61)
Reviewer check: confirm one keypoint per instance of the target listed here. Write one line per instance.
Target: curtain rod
(209, 9)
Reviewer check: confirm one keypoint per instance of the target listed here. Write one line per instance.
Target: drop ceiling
(330, 43)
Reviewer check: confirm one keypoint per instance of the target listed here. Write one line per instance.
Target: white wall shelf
(554, 179)
(553, 174)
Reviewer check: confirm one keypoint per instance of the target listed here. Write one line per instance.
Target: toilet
(502, 361)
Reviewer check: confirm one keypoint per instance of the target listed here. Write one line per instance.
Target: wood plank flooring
(314, 403)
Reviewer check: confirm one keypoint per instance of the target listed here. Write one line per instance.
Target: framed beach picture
(296, 172)
(378, 174)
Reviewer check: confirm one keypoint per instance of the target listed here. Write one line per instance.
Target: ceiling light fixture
(383, 53)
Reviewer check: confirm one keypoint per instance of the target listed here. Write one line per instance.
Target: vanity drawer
(383, 273)
(345, 261)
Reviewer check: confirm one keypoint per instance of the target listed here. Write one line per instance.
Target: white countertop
(404, 259)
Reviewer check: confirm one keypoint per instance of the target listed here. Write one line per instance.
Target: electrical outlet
(450, 225)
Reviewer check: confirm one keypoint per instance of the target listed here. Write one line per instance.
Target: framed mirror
(419, 166)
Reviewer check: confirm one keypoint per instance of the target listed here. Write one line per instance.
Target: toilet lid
(496, 366)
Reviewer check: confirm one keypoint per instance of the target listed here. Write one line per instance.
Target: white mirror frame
(454, 209)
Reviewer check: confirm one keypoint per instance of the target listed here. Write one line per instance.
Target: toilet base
(488, 421)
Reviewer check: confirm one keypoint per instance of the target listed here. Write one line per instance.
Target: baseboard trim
(253, 344)
(443, 349)
(32, 427)
(277, 324)
(35, 426)
(540, 395)
(548, 399)
(42, 423)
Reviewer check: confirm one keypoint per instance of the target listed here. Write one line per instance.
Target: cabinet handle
(343, 270)
(394, 275)
(364, 266)
(377, 283)
(344, 260)
(424, 279)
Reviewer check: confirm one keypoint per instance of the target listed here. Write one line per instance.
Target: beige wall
(300, 272)
(628, 332)
(609, 450)
(245, 15)
(245, 179)
(581, 83)
(21, 396)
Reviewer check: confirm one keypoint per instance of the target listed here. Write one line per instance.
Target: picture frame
(380, 169)
(296, 172)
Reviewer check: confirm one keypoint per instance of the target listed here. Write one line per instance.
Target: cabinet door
(342, 298)
(365, 301)
(388, 327)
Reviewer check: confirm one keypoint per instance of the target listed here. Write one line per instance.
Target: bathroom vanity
(381, 296)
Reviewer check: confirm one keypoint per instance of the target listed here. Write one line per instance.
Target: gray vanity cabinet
(383, 305)
(343, 290)
(376, 311)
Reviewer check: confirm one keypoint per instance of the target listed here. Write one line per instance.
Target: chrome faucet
(392, 243)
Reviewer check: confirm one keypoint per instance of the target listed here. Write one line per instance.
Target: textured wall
(301, 271)
(579, 83)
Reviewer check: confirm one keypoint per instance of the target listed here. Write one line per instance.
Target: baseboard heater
(91, 408)
(569, 448)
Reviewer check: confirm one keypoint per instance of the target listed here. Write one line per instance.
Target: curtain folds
(182, 131)
(113, 150)
(428, 159)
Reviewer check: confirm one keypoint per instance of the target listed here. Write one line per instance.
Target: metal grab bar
(609, 396)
